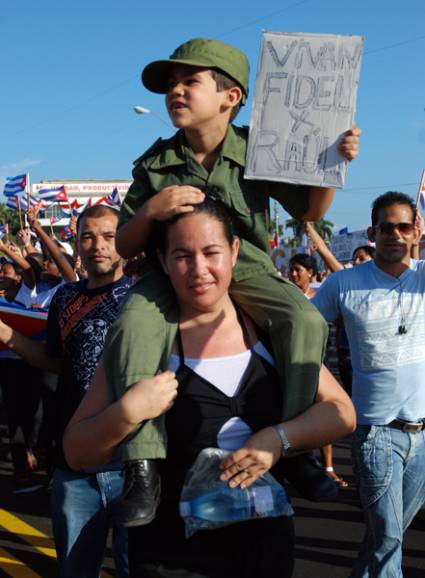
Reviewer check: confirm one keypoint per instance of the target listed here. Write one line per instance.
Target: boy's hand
(349, 145)
(173, 200)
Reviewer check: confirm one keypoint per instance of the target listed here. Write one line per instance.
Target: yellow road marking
(15, 568)
(37, 539)
(40, 541)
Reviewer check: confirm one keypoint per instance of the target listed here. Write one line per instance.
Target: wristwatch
(286, 444)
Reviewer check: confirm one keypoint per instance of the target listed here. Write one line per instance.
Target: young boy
(205, 83)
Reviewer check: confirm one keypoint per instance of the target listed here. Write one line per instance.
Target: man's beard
(95, 272)
(390, 256)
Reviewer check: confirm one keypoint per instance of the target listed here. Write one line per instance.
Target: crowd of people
(205, 345)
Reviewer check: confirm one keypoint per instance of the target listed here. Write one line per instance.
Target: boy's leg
(139, 344)
(298, 335)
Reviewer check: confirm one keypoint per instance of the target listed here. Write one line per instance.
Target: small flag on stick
(114, 199)
(4, 230)
(420, 200)
(53, 194)
(15, 185)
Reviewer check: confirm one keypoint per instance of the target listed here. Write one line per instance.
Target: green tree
(297, 230)
(10, 217)
(322, 226)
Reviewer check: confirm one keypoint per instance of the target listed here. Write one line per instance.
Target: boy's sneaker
(141, 494)
(309, 478)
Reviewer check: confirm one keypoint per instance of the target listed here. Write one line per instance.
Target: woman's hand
(419, 222)
(244, 466)
(149, 398)
(23, 237)
(33, 221)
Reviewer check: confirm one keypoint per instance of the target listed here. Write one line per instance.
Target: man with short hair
(83, 504)
(382, 303)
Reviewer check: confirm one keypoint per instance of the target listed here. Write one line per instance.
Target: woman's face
(360, 256)
(300, 276)
(199, 262)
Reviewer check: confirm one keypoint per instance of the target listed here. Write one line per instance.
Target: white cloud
(17, 167)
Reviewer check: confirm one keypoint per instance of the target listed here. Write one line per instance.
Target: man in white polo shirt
(382, 303)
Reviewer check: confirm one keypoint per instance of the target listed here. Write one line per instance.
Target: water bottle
(236, 504)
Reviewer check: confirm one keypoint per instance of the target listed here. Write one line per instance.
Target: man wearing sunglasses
(382, 303)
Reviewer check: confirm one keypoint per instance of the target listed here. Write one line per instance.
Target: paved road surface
(327, 534)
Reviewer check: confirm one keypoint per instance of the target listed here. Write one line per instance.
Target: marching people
(220, 389)
(302, 268)
(84, 504)
(21, 394)
(205, 82)
(382, 303)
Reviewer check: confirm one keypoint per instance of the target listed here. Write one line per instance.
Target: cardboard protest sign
(305, 99)
(343, 246)
(29, 322)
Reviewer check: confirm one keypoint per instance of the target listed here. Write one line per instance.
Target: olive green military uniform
(140, 341)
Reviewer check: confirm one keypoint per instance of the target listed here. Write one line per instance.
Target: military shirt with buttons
(172, 162)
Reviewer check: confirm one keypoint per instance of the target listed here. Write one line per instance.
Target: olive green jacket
(172, 162)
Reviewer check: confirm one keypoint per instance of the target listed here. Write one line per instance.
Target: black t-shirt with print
(78, 321)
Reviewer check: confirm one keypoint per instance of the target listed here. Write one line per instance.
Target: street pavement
(328, 534)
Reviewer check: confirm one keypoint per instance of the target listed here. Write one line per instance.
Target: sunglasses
(389, 228)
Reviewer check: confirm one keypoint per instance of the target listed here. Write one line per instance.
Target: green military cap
(201, 52)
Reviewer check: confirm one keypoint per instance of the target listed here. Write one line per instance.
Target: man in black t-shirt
(83, 504)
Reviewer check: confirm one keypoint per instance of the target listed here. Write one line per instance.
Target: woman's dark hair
(388, 200)
(70, 259)
(211, 206)
(306, 261)
(368, 249)
(36, 261)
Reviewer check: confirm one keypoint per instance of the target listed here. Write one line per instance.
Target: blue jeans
(389, 465)
(83, 508)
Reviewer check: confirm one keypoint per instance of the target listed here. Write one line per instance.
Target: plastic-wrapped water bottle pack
(207, 502)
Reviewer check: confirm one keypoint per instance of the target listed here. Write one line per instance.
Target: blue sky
(71, 75)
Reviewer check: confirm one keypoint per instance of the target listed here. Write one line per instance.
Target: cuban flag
(76, 208)
(13, 203)
(67, 234)
(88, 204)
(30, 322)
(15, 185)
(34, 203)
(114, 199)
(53, 194)
(4, 230)
(55, 219)
(422, 192)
